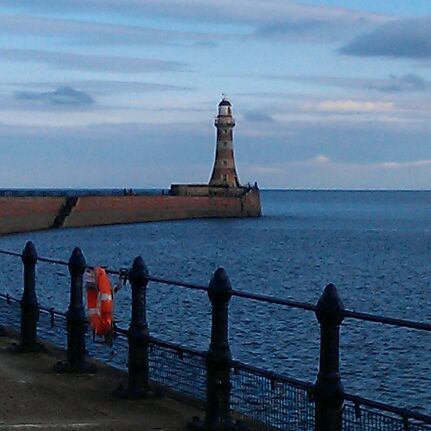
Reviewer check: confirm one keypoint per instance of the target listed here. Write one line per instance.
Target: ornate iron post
(218, 416)
(138, 365)
(29, 305)
(76, 320)
(329, 389)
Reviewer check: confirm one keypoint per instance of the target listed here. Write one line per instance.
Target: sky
(123, 93)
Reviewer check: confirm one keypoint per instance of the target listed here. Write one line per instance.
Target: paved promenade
(33, 396)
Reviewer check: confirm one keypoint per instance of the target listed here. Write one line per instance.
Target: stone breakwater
(30, 213)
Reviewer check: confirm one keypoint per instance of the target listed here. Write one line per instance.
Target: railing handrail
(272, 376)
(402, 323)
(357, 400)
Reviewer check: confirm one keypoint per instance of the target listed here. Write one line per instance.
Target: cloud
(62, 96)
(320, 158)
(408, 83)
(303, 29)
(107, 87)
(289, 155)
(343, 140)
(330, 28)
(403, 84)
(360, 106)
(241, 10)
(97, 33)
(99, 63)
(148, 155)
(114, 86)
(275, 19)
(404, 38)
(211, 43)
(259, 170)
(403, 165)
(343, 175)
(257, 116)
(349, 106)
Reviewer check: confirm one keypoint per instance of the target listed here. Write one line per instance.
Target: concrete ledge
(33, 396)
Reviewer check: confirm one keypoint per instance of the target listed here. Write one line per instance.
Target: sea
(374, 246)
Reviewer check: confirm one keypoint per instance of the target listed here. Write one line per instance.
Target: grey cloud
(104, 87)
(62, 96)
(298, 28)
(300, 31)
(330, 29)
(68, 61)
(109, 87)
(404, 38)
(403, 84)
(408, 83)
(207, 43)
(259, 117)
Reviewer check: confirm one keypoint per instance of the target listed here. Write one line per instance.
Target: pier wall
(101, 210)
(21, 214)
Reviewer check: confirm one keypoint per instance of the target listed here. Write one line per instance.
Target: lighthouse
(225, 196)
(224, 171)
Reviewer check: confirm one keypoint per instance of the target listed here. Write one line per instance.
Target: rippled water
(374, 246)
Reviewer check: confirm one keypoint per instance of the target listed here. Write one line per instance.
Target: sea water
(374, 246)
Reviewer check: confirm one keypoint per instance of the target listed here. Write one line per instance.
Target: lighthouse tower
(224, 171)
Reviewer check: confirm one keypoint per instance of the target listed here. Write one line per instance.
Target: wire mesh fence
(10, 311)
(184, 372)
(271, 401)
(357, 418)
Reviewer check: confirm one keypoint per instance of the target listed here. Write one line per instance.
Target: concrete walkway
(33, 396)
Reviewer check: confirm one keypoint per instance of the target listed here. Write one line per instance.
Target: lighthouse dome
(224, 102)
(224, 107)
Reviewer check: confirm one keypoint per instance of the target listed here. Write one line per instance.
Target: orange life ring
(99, 302)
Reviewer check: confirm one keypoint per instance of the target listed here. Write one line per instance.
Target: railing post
(138, 335)
(217, 414)
(329, 389)
(29, 306)
(76, 320)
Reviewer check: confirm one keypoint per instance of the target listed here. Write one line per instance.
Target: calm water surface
(374, 246)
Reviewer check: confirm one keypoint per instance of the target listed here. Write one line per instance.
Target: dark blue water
(374, 246)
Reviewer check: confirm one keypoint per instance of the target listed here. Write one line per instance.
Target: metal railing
(80, 192)
(231, 390)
